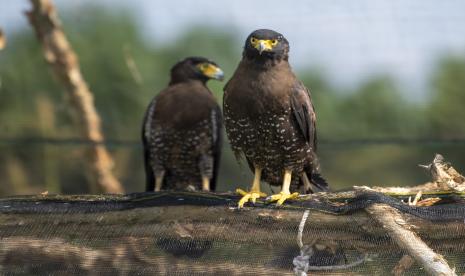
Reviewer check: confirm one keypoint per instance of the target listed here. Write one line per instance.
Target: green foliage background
(33, 104)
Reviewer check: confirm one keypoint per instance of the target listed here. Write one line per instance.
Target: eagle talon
(248, 196)
(281, 197)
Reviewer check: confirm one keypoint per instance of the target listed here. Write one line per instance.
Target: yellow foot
(281, 197)
(249, 196)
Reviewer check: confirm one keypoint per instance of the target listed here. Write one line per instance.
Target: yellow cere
(263, 44)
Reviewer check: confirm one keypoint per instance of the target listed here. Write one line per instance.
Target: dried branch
(397, 229)
(444, 178)
(60, 55)
(444, 174)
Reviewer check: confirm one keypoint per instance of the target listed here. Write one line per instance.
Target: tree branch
(397, 228)
(60, 55)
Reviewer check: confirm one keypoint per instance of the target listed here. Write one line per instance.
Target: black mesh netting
(200, 234)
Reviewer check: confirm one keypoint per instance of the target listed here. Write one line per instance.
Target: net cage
(194, 233)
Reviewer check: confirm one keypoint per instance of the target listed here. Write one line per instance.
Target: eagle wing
(147, 125)
(304, 113)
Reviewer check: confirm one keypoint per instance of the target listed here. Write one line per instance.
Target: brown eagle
(182, 130)
(270, 119)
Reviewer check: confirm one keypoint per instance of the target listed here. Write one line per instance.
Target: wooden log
(217, 223)
(64, 62)
(228, 236)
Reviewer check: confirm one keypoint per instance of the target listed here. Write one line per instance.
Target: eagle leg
(254, 191)
(206, 171)
(159, 180)
(205, 183)
(285, 190)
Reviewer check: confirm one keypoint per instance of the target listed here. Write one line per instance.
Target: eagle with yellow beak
(270, 119)
(182, 130)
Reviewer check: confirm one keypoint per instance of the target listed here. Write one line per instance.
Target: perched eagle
(182, 130)
(269, 118)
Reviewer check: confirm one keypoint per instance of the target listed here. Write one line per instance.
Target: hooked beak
(263, 45)
(212, 72)
(218, 74)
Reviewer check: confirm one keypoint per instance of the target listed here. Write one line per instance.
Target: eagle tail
(319, 181)
(149, 175)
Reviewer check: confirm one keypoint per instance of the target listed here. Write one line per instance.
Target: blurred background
(387, 80)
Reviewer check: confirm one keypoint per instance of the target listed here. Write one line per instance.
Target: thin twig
(131, 64)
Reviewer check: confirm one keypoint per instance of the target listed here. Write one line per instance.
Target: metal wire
(73, 141)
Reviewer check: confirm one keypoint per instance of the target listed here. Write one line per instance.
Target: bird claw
(248, 196)
(281, 197)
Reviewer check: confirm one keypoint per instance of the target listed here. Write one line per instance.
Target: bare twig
(398, 230)
(59, 54)
(131, 64)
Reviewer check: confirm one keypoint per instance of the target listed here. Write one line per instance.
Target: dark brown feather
(304, 113)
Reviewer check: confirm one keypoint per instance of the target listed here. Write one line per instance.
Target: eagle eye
(274, 42)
